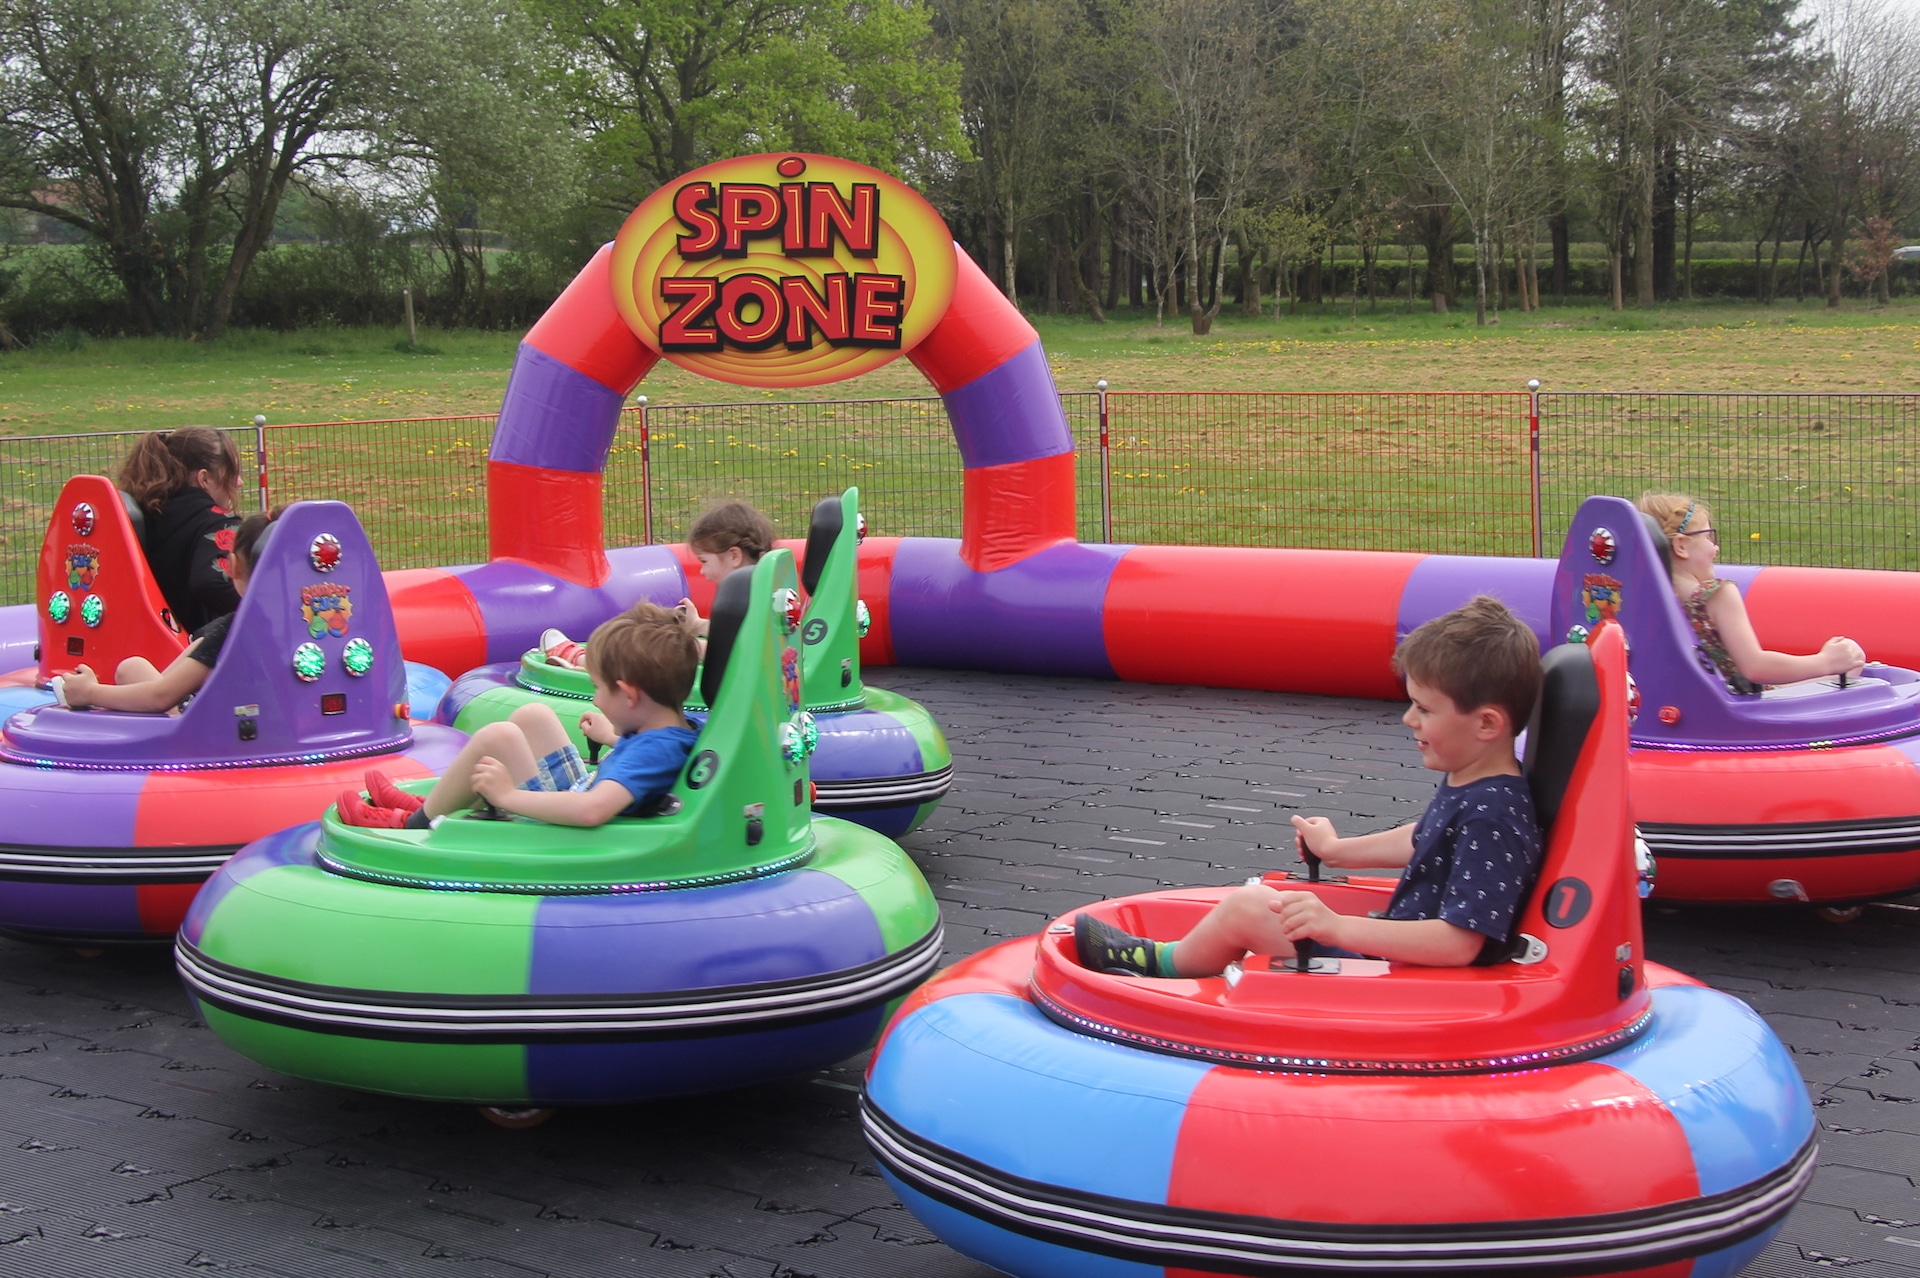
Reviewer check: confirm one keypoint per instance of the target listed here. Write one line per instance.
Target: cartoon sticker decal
(790, 676)
(326, 609)
(83, 566)
(1600, 596)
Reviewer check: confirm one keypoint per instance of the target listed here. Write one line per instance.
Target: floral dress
(1712, 648)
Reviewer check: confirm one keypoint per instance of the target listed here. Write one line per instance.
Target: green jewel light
(59, 607)
(358, 657)
(309, 663)
(92, 608)
(798, 737)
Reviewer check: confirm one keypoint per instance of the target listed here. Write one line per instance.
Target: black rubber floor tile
(1860, 1137)
(1840, 1237)
(1876, 1197)
(1784, 1260)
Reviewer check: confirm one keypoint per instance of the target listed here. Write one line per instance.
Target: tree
(1862, 124)
(1476, 115)
(659, 87)
(159, 127)
(1021, 105)
(1208, 62)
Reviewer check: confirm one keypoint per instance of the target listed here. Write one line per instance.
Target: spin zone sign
(783, 270)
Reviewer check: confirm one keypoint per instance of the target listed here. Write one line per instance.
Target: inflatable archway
(1017, 593)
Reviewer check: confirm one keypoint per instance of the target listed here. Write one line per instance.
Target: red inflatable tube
(1320, 622)
(583, 330)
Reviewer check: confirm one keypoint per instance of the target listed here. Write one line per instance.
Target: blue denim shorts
(562, 770)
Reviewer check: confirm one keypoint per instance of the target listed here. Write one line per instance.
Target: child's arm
(176, 683)
(582, 808)
(1428, 942)
(695, 622)
(1382, 850)
(1728, 612)
(595, 726)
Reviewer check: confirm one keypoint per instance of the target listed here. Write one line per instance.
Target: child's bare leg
(542, 729)
(1242, 923)
(502, 741)
(135, 670)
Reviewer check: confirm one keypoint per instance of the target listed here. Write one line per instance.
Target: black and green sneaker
(1105, 948)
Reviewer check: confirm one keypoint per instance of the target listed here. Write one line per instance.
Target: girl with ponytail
(187, 482)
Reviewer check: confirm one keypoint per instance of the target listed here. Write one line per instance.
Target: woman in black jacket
(187, 482)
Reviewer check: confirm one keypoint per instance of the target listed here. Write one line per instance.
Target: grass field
(333, 375)
(1818, 481)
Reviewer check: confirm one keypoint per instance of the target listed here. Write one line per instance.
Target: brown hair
(162, 463)
(1479, 654)
(734, 523)
(1670, 509)
(249, 536)
(649, 647)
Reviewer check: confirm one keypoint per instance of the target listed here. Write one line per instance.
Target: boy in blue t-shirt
(1466, 865)
(642, 663)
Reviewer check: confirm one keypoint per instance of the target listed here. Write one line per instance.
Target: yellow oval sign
(783, 270)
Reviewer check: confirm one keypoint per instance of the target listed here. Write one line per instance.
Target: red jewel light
(83, 519)
(1669, 714)
(1601, 545)
(324, 553)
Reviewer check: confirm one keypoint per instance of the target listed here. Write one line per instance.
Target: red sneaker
(384, 793)
(355, 810)
(561, 650)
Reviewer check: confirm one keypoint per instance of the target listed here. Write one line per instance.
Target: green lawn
(360, 374)
(1821, 481)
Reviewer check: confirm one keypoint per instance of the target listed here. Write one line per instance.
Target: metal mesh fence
(1817, 479)
(1829, 480)
(784, 457)
(418, 484)
(33, 468)
(1436, 471)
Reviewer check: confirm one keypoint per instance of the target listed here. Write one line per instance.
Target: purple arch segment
(554, 417)
(1010, 413)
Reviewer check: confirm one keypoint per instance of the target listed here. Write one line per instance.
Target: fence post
(260, 456)
(1533, 459)
(1106, 469)
(646, 474)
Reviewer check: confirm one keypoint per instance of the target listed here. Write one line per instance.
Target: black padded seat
(730, 601)
(822, 532)
(1569, 703)
(135, 516)
(1662, 544)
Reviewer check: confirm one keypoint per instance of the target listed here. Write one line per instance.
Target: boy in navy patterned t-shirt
(1467, 863)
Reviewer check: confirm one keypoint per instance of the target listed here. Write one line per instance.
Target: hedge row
(51, 290)
(46, 291)
(1713, 278)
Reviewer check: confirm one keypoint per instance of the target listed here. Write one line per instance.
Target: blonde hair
(1479, 654)
(733, 523)
(648, 647)
(1676, 513)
